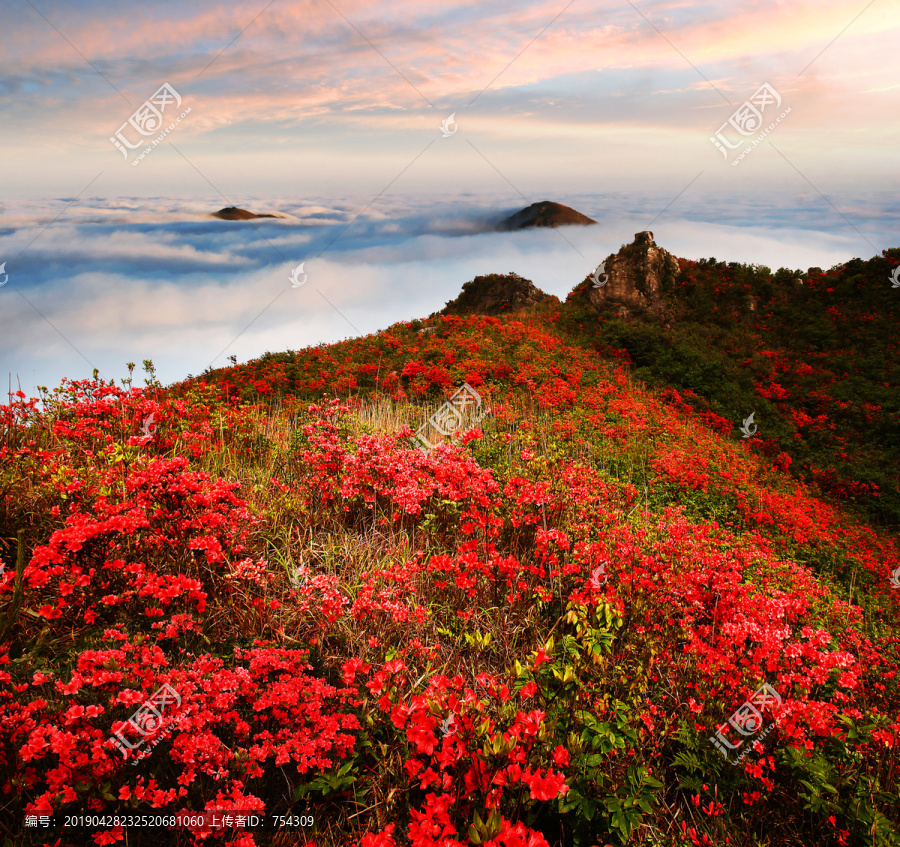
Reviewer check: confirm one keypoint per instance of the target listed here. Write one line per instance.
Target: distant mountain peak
(233, 213)
(544, 213)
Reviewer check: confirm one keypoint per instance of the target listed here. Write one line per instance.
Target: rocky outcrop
(233, 213)
(496, 294)
(545, 213)
(751, 304)
(638, 277)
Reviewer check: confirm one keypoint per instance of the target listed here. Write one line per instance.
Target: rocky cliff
(638, 277)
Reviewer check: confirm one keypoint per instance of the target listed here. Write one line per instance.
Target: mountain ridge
(722, 336)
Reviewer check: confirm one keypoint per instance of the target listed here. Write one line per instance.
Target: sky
(392, 136)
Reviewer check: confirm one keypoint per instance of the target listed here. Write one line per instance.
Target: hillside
(816, 358)
(526, 635)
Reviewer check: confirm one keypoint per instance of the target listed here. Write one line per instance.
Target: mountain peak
(544, 213)
(638, 276)
(233, 213)
(496, 294)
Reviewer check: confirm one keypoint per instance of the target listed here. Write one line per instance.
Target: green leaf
(494, 824)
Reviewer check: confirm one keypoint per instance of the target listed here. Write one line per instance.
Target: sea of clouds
(94, 283)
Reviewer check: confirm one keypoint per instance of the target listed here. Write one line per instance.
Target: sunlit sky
(332, 113)
(340, 97)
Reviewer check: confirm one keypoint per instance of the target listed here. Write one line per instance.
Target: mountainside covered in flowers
(816, 356)
(529, 635)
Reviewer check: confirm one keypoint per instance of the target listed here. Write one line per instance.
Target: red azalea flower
(548, 787)
(350, 668)
(379, 839)
(561, 756)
